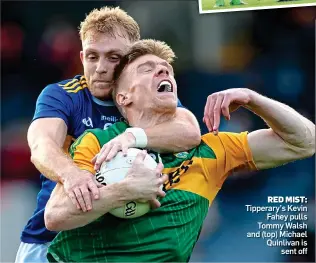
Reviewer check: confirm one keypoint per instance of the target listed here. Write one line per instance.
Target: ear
(123, 99)
(81, 56)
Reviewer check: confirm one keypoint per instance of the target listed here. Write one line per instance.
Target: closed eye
(91, 57)
(114, 58)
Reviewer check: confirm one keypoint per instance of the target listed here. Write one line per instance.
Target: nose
(101, 66)
(162, 70)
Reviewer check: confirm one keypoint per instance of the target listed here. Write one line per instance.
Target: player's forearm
(291, 126)
(51, 161)
(61, 214)
(179, 134)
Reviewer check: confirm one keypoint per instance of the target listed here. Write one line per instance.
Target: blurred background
(270, 51)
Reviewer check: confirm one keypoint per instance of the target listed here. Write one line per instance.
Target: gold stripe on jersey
(192, 176)
(77, 89)
(83, 151)
(81, 82)
(75, 85)
(68, 83)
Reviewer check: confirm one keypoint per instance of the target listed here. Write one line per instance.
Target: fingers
(140, 157)
(80, 200)
(208, 118)
(86, 197)
(164, 178)
(154, 204)
(217, 112)
(94, 159)
(207, 112)
(159, 168)
(73, 199)
(94, 189)
(161, 193)
(225, 107)
(102, 156)
(114, 150)
(124, 150)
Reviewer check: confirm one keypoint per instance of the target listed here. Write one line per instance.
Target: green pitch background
(209, 4)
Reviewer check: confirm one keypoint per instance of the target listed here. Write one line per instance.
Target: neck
(148, 118)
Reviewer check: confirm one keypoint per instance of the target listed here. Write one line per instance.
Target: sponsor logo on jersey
(87, 122)
(181, 155)
(110, 118)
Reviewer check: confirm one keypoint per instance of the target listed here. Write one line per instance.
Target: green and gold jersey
(166, 234)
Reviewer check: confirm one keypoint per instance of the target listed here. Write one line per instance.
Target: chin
(102, 94)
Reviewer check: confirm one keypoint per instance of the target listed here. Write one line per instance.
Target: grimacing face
(99, 56)
(148, 83)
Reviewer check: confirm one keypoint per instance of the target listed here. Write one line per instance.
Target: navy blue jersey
(71, 101)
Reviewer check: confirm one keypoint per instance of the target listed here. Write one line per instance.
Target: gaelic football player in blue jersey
(66, 109)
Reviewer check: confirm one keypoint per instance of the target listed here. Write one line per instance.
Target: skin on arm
(179, 134)
(140, 183)
(60, 214)
(290, 136)
(46, 137)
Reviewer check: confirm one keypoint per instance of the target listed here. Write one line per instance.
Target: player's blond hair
(109, 20)
(145, 47)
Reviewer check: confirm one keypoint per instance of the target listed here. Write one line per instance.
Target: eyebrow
(148, 62)
(109, 51)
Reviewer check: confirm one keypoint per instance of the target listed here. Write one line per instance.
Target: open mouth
(165, 86)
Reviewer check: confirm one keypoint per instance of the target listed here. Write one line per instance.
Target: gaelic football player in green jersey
(168, 233)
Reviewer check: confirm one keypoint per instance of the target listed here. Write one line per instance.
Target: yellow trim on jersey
(77, 89)
(85, 151)
(205, 176)
(75, 85)
(68, 83)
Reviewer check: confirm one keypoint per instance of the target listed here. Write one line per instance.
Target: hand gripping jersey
(166, 234)
(71, 101)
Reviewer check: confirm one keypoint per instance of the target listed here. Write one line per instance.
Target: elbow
(308, 148)
(196, 139)
(193, 137)
(34, 153)
(51, 223)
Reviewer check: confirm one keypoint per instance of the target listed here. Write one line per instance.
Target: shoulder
(224, 138)
(103, 136)
(226, 142)
(68, 86)
(73, 86)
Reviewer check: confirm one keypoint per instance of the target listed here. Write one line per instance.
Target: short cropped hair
(145, 47)
(138, 49)
(109, 20)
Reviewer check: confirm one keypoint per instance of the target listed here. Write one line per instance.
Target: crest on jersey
(181, 155)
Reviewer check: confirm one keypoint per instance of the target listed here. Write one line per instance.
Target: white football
(115, 171)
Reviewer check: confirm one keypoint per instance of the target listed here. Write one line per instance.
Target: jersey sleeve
(232, 153)
(54, 102)
(84, 149)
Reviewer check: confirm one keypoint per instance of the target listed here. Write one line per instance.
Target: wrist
(139, 135)
(67, 173)
(116, 192)
(253, 99)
